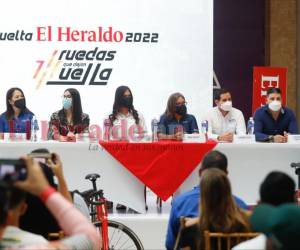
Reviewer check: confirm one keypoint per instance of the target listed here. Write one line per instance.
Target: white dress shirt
(131, 129)
(218, 124)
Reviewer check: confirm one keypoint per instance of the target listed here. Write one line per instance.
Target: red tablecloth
(162, 166)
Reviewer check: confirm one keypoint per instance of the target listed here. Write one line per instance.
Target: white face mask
(275, 105)
(226, 106)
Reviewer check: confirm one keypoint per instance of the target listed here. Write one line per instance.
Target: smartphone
(12, 170)
(40, 157)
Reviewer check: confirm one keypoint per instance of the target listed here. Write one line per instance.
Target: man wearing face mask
(223, 120)
(273, 122)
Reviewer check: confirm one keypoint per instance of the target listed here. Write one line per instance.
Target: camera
(12, 170)
(41, 157)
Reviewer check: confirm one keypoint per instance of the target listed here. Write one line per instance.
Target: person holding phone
(17, 117)
(51, 166)
(70, 120)
(81, 233)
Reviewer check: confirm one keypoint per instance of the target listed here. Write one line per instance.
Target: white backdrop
(181, 60)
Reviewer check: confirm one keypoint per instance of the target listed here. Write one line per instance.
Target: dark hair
(48, 172)
(171, 105)
(219, 212)
(37, 211)
(117, 105)
(214, 159)
(273, 90)
(16, 196)
(277, 188)
(76, 106)
(10, 198)
(219, 92)
(9, 109)
(3, 204)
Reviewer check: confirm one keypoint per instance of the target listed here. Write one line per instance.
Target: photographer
(82, 234)
(13, 236)
(51, 166)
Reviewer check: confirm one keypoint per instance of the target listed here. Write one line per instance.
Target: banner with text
(265, 78)
(156, 48)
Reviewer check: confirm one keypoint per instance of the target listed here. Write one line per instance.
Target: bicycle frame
(102, 216)
(99, 216)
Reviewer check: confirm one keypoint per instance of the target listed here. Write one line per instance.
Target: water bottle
(106, 135)
(204, 126)
(250, 126)
(34, 128)
(154, 128)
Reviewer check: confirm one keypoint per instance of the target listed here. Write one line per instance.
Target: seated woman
(126, 122)
(175, 121)
(218, 212)
(70, 120)
(17, 117)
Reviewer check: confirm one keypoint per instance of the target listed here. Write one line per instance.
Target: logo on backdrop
(75, 67)
(70, 34)
(265, 78)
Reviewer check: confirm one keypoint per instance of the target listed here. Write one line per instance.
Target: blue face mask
(67, 103)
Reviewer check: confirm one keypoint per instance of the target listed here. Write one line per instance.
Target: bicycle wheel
(121, 236)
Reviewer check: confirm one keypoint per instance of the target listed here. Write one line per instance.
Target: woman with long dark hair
(70, 120)
(17, 117)
(125, 117)
(218, 211)
(176, 121)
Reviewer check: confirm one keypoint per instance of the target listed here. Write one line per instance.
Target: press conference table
(248, 165)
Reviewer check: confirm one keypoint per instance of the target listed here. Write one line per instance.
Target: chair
(56, 236)
(225, 240)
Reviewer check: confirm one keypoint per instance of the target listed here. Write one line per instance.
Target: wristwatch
(271, 138)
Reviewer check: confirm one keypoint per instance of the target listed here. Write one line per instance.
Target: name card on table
(244, 139)
(293, 138)
(194, 138)
(15, 137)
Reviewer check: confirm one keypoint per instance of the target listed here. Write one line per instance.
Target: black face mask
(126, 101)
(181, 110)
(21, 104)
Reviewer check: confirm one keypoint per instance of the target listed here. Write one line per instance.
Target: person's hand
(228, 137)
(35, 182)
(178, 136)
(280, 138)
(63, 138)
(70, 135)
(55, 164)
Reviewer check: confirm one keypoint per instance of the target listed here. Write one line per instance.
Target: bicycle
(115, 235)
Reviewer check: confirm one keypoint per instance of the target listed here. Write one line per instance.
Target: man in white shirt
(223, 120)
(14, 237)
